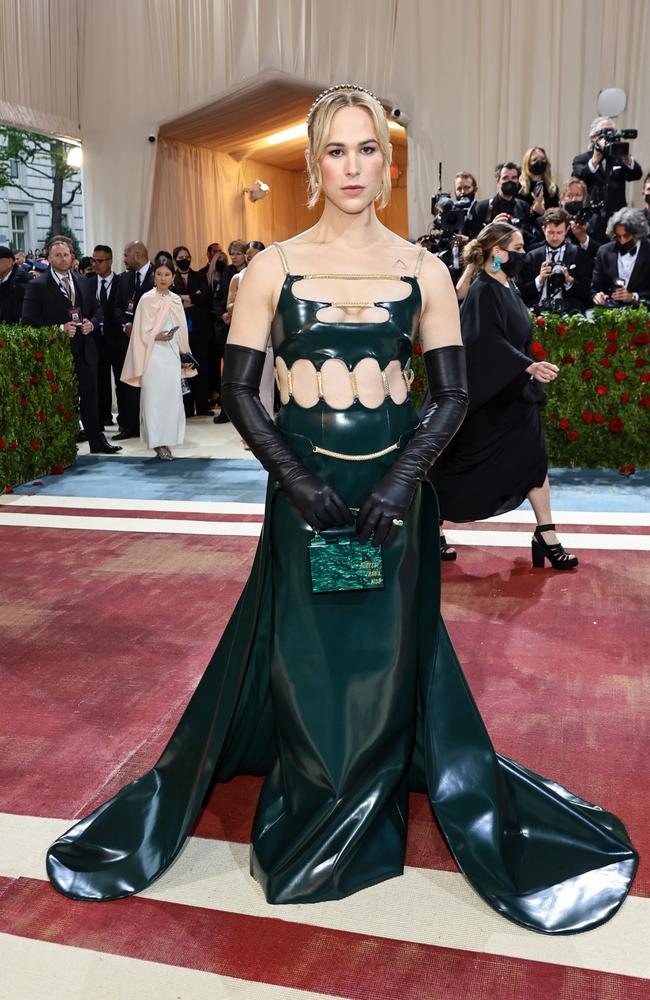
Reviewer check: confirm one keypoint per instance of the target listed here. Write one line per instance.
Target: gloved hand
(320, 505)
(390, 499)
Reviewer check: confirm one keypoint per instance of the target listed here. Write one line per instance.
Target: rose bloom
(568, 359)
(572, 436)
(564, 423)
(612, 335)
(587, 416)
(599, 418)
(645, 402)
(625, 397)
(590, 346)
(616, 425)
(620, 376)
(587, 375)
(602, 390)
(605, 362)
(645, 377)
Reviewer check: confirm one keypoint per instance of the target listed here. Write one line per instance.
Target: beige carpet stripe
(40, 970)
(136, 525)
(113, 503)
(491, 539)
(423, 906)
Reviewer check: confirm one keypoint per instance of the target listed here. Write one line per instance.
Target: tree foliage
(47, 158)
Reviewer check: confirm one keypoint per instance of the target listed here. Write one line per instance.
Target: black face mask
(573, 207)
(647, 199)
(513, 265)
(219, 265)
(625, 247)
(183, 265)
(538, 168)
(509, 188)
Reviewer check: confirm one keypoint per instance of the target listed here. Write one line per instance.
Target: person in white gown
(153, 362)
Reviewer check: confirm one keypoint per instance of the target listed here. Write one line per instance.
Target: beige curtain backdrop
(480, 80)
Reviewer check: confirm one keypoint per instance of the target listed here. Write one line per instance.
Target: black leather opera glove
(392, 496)
(319, 504)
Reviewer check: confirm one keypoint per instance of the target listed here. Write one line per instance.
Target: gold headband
(333, 90)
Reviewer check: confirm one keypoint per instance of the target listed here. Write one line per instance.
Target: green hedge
(598, 412)
(38, 393)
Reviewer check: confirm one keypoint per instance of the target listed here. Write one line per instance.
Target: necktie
(103, 297)
(137, 282)
(66, 284)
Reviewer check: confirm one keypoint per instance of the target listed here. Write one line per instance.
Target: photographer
(646, 197)
(605, 168)
(557, 275)
(503, 207)
(574, 200)
(622, 271)
(465, 186)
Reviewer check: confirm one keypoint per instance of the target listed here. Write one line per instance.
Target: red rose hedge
(37, 384)
(595, 357)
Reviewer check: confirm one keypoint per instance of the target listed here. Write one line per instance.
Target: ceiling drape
(481, 80)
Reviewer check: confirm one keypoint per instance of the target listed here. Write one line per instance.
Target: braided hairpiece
(333, 90)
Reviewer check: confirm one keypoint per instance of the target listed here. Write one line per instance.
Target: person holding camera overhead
(60, 298)
(622, 271)
(605, 172)
(505, 206)
(153, 363)
(557, 274)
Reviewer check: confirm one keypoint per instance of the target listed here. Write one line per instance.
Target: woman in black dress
(498, 458)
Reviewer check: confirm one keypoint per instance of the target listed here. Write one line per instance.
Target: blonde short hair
(318, 133)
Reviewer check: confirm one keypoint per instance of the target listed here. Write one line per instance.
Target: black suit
(606, 271)
(200, 334)
(612, 192)
(45, 304)
(108, 340)
(12, 292)
(577, 297)
(483, 212)
(128, 396)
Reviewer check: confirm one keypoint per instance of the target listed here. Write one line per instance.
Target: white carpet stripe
(572, 541)
(113, 503)
(423, 906)
(138, 525)
(613, 518)
(40, 970)
(252, 529)
(619, 519)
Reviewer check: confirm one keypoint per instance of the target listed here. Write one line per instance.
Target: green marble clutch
(344, 564)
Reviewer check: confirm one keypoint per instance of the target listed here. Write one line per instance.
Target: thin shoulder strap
(283, 257)
(418, 263)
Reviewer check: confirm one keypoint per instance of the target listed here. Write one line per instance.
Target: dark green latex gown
(345, 701)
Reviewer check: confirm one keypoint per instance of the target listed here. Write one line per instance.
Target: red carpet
(105, 635)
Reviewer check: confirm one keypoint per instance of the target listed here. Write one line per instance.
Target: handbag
(343, 563)
(187, 358)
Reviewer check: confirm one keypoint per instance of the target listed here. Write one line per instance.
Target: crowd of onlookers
(96, 307)
(584, 246)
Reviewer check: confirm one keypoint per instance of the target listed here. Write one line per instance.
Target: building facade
(24, 220)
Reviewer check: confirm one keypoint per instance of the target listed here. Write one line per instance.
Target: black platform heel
(556, 555)
(447, 553)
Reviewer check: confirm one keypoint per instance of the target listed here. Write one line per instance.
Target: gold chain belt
(355, 458)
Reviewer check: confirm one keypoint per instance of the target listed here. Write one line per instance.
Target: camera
(615, 141)
(151, 137)
(400, 116)
(555, 280)
(579, 211)
(448, 215)
(79, 328)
